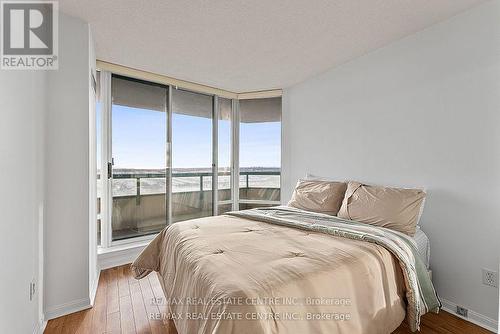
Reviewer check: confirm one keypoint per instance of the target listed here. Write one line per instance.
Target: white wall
(423, 111)
(46, 161)
(67, 174)
(22, 109)
(92, 151)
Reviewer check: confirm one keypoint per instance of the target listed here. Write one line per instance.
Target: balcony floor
(152, 226)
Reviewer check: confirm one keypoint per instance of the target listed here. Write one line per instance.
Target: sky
(139, 138)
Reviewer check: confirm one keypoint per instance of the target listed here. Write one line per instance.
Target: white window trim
(235, 154)
(215, 155)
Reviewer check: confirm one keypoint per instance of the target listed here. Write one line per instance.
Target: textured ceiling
(243, 45)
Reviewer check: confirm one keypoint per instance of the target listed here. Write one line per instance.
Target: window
(260, 152)
(166, 155)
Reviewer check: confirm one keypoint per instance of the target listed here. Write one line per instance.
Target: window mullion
(235, 154)
(215, 158)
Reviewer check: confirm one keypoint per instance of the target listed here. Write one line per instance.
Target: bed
(285, 270)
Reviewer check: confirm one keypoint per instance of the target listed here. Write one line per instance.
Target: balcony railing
(201, 175)
(137, 212)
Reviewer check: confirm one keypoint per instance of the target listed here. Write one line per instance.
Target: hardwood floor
(122, 305)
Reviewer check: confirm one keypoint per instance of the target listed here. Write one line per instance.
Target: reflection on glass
(139, 151)
(223, 208)
(246, 206)
(191, 155)
(260, 149)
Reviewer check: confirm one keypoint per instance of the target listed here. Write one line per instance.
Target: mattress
(423, 246)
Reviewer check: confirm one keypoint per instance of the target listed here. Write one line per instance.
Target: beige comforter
(232, 275)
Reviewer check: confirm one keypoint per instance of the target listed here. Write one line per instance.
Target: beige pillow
(318, 196)
(398, 209)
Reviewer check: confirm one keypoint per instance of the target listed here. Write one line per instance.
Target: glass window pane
(191, 155)
(139, 151)
(245, 206)
(260, 149)
(223, 208)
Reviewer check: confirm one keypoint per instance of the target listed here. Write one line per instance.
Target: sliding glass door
(139, 129)
(192, 186)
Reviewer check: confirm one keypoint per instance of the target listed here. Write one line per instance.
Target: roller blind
(260, 110)
(138, 94)
(225, 107)
(190, 103)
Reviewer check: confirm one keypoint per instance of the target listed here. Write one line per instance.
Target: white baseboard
(70, 307)
(67, 308)
(95, 284)
(474, 317)
(40, 327)
(110, 258)
(118, 256)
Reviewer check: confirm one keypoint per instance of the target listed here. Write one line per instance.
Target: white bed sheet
(423, 246)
